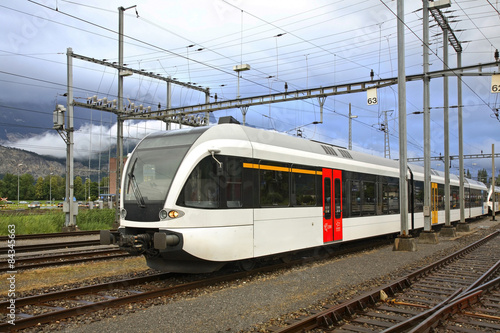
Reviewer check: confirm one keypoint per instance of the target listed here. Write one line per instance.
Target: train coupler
(108, 237)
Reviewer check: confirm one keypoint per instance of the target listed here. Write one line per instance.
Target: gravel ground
(253, 304)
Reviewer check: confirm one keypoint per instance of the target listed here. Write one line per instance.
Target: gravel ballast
(251, 305)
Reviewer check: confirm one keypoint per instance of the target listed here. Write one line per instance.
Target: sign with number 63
(495, 83)
(371, 95)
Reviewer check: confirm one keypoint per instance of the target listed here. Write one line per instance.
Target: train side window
(355, 198)
(440, 196)
(476, 198)
(338, 206)
(379, 190)
(455, 197)
(202, 187)
(327, 185)
(234, 188)
(467, 197)
(274, 185)
(303, 187)
(368, 199)
(391, 196)
(419, 196)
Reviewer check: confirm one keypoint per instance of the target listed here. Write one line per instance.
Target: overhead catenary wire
(283, 71)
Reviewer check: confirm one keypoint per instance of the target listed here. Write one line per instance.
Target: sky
(305, 44)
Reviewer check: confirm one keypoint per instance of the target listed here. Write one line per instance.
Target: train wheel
(246, 265)
(287, 258)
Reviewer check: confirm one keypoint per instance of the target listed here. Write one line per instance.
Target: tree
(79, 190)
(87, 188)
(468, 175)
(58, 187)
(482, 176)
(9, 186)
(39, 189)
(27, 187)
(94, 191)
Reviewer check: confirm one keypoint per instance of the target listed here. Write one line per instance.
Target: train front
(175, 234)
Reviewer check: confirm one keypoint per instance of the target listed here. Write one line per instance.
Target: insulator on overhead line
(497, 55)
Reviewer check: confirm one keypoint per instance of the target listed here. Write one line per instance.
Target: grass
(49, 221)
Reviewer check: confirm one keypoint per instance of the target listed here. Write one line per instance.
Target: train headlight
(169, 214)
(173, 214)
(163, 214)
(123, 213)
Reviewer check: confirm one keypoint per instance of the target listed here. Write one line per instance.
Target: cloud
(89, 139)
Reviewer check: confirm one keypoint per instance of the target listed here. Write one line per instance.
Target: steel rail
(458, 305)
(52, 235)
(360, 303)
(460, 300)
(51, 246)
(136, 297)
(64, 259)
(110, 302)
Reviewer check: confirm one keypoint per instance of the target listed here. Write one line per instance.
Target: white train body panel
(219, 243)
(284, 229)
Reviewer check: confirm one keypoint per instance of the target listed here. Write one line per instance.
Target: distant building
(112, 174)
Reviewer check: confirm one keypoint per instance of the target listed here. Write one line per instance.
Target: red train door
(332, 205)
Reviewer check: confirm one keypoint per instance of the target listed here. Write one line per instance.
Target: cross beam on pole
(286, 96)
(139, 72)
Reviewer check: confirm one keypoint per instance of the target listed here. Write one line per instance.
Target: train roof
(292, 143)
(295, 143)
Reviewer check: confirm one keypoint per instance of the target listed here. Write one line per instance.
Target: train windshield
(154, 164)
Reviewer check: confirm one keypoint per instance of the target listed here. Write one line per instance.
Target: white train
(195, 199)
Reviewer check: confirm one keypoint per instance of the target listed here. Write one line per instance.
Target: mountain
(36, 165)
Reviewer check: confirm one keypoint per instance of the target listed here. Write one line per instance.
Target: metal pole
(446, 133)
(238, 93)
(70, 214)
(493, 181)
(244, 110)
(207, 100)
(169, 101)
(119, 121)
(403, 167)
(350, 128)
(427, 123)
(387, 146)
(460, 141)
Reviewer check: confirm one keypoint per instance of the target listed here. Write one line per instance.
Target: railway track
(460, 293)
(40, 309)
(47, 308)
(63, 259)
(49, 246)
(52, 235)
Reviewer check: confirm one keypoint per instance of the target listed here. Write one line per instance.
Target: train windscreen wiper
(135, 188)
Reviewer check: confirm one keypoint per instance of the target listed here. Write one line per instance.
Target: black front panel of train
(149, 213)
